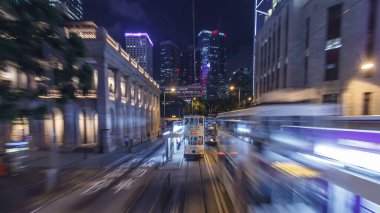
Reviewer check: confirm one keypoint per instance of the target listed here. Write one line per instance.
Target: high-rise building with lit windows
(169, 64)
(140, 46)
(187, 74)
(72, 8)
(211, 45)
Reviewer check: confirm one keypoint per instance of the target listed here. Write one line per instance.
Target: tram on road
(194, 136)
(302, 157)
(210, 131)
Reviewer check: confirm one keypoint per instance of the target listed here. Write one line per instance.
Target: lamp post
(233, 88)
(192, 105)
(367, 68)
(171, 91)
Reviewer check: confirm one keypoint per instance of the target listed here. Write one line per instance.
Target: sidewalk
(175, 163)
(43, 159)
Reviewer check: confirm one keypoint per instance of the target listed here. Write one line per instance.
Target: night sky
(172, 20)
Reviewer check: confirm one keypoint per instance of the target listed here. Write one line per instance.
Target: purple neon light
(334, 133)
(139, 35)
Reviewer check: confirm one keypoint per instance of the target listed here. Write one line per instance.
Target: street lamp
(367, 68)
(171, 91)
(192, 105)
(233, 88)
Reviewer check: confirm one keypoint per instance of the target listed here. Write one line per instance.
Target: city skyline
(175, 21)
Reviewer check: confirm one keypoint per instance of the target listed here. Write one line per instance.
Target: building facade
(212, 49)
(123, 100)
(72, 8)
(140, 46)
(187, 74)
(169, 62)
(320, 52)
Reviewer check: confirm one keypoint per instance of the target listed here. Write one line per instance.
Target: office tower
(213, 63)
(73, 9)
(169, 64)
(140, 46)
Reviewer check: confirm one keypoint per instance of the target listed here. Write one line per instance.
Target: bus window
(191, 121)
(194, 141)
(200, 140)
(200, 121)
(186, 121)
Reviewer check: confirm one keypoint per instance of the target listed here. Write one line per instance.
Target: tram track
(192, 196)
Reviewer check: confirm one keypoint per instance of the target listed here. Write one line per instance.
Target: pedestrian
(126, 142)
(130, 145)
(148, 135)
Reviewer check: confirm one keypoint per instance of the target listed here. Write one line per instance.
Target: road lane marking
(111, 177)
(125, 184)
(104, 183)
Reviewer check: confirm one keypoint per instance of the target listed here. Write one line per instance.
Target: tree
(31, 37)
(222, 105)
(197, 107)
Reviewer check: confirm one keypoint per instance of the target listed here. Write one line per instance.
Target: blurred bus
(194, 135)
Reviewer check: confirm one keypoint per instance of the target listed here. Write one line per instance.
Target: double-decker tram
(194, 136)
(210, 131)
(299, 158)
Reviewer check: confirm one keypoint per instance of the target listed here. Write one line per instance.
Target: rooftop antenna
(194, 48)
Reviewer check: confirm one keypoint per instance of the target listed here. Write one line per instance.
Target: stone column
(128, 84)
(150, 108)
(71, 125)
(137, 116)
(143, 114)
(118, 108)
(37, 131)
(158, 113)
(103, 107)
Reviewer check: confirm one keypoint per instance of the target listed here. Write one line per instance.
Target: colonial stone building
(320, 51)
(123, 100)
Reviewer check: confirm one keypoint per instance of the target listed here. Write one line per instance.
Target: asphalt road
(111, 189)
(193, 188)
(139, 184)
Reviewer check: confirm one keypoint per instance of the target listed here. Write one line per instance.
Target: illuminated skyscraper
(140, 46)
(169, 64)
(213, 63)
(72, 8)
(187, 66)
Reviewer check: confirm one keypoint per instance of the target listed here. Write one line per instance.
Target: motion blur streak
(291, 160)
(350, 157)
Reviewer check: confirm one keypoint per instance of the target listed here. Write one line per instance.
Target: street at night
(197, 106)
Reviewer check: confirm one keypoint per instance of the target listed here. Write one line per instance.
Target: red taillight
(220, 153)
(234, 153)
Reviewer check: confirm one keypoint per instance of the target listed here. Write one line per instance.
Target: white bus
(194, 135)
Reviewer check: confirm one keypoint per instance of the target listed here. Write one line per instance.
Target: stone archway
(83, 126)
(54, 127)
